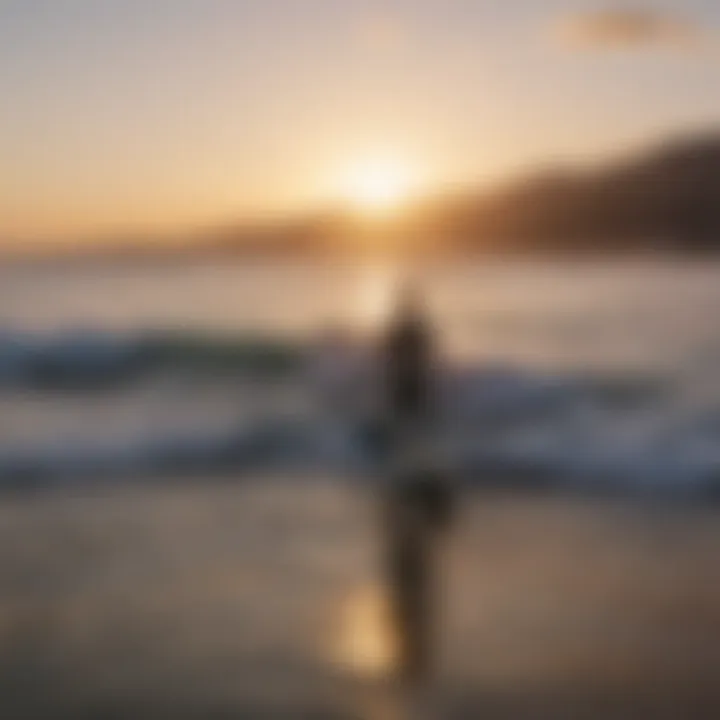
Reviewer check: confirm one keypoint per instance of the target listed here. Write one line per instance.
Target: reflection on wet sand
(209, 600)
(366, 642)
(367, 648)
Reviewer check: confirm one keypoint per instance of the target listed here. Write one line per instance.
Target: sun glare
(379, 187)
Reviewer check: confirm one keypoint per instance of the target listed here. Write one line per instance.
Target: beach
(222, 599)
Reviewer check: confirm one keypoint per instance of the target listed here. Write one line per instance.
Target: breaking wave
(502, 425)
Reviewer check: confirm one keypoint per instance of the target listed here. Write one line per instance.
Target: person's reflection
(417, 512)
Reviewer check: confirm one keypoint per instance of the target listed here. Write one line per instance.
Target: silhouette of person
(417, 500)
(408, 362)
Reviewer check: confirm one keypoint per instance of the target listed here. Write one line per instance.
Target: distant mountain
(667, 199)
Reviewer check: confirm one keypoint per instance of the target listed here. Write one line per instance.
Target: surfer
(408, 363)
(417, 499)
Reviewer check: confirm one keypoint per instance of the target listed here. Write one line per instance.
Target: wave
(258, 448)
(502, 425)
(548, 462)
(92, 359)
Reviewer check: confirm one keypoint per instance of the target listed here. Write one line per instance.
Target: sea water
(595, 375)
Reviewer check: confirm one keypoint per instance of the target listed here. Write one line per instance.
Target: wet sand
(255, 601)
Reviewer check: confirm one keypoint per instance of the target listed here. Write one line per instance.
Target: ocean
(597, 375)
(188, 530)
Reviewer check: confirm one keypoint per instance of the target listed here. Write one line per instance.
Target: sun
(378, 187)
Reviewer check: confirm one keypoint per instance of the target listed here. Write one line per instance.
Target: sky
(155, 116)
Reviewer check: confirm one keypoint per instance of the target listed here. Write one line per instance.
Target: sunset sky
(134, 115)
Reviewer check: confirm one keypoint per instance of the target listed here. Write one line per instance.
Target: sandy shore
(255, 601)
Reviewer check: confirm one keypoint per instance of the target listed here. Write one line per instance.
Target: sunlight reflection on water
(366, 647)
(366, 644)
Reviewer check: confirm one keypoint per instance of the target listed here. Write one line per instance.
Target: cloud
(627, 29)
